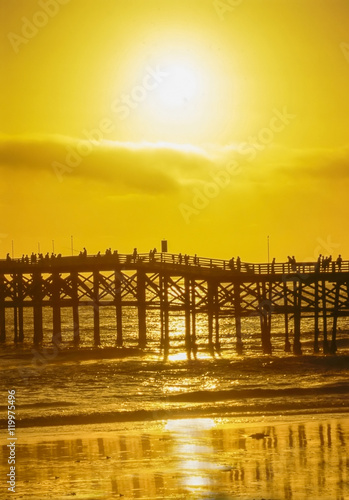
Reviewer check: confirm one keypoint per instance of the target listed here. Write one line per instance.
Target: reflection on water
(251, 330)
(189, 459)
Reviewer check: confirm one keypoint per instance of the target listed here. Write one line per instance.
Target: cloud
(128, 167)
(162, 168)
(315, 164)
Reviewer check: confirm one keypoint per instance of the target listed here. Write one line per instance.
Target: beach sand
(281, 457)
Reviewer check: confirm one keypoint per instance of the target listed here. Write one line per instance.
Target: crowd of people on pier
(323, 263)
(35, 258)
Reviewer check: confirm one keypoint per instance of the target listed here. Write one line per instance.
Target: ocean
(106, 422)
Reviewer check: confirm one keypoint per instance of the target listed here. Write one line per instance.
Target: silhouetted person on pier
(238, 264)
(8, 258)
(232, 264)
(292, 262)
(339, 262)
(134, 255)
(180, 258)
(84, 253)
(326, 262)
(186, 258)
(273, 265)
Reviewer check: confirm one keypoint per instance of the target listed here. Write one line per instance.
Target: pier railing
(175, 260)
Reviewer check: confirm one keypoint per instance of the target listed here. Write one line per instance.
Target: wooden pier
(170, 283)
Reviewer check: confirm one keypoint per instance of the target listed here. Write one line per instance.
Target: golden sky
(211, 123)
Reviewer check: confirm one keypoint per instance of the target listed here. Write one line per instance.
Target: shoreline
(220, 458)
(176, 414)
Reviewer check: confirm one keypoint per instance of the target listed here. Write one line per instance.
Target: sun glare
(180, 89)
(186, 104)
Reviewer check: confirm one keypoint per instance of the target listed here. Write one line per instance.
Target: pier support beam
(326, 349)
(15, 322)
(193, 319)
(2, 309)
(287, 340)
(297, 298)
(333, 347)
(56, 308)
(118, 307)
(217, 344)
(237, 306)
(165, 330)
(265, 313)
(18, 313)
(316, 317)
(187, 317)
(96, 325)
(15, 307)
(141, 304)
(37, 304)
(210, 299)
(75, 303)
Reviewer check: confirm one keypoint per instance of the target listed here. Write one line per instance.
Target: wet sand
(293, 458)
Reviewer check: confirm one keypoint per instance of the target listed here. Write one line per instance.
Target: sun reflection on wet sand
(187, 459)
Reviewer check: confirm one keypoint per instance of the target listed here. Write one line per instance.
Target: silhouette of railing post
(141, 303)
(2, 309)
(118, 309)
(75, 304)
(56, 308)
(37, 302)
(96, 327)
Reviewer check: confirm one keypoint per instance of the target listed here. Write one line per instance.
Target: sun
(178, 108)
(181, 88)
(192, 102)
